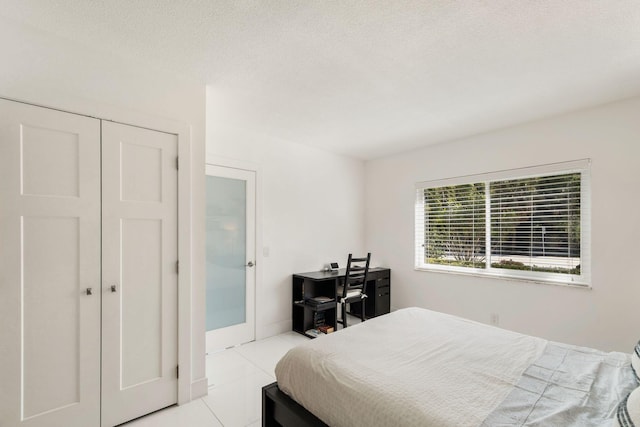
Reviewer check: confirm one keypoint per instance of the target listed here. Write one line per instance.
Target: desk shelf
(319, 307)
(304, 315)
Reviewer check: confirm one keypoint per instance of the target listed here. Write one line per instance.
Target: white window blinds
(530, 223)
(455, 225)
(535, 224)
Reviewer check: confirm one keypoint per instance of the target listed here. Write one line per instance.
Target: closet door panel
(51, 314)
(49, 256)
(139, 272)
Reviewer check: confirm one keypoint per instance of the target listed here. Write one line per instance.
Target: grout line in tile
(238, 380)
(247, 359)
(259, 369)
(237, 353)
(253, 421)
(211, 410)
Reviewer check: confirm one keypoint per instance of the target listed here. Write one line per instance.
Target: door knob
(113, 288)
(89, 291)
(250, 264)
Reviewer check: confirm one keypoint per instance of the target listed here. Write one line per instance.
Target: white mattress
(412, 367)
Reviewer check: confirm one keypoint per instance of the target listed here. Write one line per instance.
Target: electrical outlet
(495, 319)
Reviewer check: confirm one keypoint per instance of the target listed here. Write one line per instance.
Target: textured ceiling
(368, 78)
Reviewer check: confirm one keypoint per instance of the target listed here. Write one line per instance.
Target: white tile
(294, 337)
(192, 414)
(266, 353)
(238, 403)
(228, 366)
(236, 377)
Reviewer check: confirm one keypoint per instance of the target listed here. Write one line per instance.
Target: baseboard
(199, 388)
(272, 329)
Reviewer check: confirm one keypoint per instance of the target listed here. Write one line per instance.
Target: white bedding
(567, 386)
(396, 371)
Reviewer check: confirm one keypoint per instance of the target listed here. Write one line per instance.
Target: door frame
(188, 389)
(213, 160)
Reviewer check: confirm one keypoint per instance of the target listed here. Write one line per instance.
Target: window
(530, 224)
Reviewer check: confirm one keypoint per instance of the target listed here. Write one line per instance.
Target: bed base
(278, 409)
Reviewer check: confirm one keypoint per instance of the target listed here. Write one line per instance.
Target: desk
(325, 283)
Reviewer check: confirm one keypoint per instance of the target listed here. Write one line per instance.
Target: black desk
(325, 283)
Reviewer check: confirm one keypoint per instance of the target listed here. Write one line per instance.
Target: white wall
(311, 212)
(64, 74)
(603, 317)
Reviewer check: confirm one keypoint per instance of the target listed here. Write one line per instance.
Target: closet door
(139, 327)
(49, 267)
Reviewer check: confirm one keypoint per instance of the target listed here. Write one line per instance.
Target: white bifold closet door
(139, 272)
(49, 268)
(88, 280)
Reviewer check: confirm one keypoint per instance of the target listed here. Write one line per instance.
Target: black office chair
(353, 290)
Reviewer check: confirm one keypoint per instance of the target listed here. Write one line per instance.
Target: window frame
(583, 280)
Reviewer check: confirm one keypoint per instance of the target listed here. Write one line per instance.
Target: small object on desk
(325, 329)
(333, 266)
(313, 333)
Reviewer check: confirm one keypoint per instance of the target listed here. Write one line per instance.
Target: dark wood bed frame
(278, 409)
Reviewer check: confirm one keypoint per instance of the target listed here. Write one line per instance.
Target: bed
(416, 367)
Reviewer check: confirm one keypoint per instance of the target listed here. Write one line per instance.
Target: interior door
(230, 256)
(49, 267)
(140, 278)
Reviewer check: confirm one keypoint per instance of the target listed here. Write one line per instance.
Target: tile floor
(236, 377)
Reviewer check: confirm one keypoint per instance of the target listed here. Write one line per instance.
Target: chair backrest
(356, 274)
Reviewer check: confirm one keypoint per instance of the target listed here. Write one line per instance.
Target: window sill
(511, 278)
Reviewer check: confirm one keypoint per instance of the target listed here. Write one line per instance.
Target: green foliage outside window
(455, 230)
(534, 219)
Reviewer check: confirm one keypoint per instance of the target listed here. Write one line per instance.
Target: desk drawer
(383, 292)
(383, 296)
(383, 283)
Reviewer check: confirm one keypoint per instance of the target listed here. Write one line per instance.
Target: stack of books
(322, 329)
(313, 333)
(318, 319)
(325, 329)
